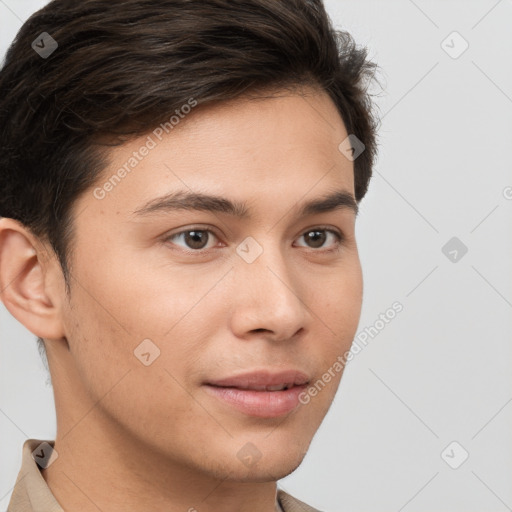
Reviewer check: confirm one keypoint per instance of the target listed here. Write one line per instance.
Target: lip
(246, 392)
(262, 378)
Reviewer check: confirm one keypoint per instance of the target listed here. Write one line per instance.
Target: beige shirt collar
(32, 494)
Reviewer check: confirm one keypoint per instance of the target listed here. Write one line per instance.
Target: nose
(269, 297)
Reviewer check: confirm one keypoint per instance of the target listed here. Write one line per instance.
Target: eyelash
(197, 252)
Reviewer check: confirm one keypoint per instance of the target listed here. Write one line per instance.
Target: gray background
(441, 370)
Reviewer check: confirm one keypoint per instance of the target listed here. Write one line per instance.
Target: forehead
(272, 147)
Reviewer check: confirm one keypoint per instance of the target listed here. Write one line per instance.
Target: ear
(31, 281)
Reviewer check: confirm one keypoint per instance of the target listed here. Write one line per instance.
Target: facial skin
(135, 437)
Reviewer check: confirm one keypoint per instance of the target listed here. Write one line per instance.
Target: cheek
(338, 303)
(151, 400)
(144, 399)
(338, 311)
(118, 311)
(151, 299)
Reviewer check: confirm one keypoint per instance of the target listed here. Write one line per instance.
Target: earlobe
(25, 287)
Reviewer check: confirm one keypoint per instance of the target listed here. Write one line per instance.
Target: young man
(179, 187)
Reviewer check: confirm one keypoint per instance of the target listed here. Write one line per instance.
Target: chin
(275, 462)
(272, 463)
(266, 472)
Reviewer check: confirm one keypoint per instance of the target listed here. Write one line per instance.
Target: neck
(99, 471)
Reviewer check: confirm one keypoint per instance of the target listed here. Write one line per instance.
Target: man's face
(217, 295)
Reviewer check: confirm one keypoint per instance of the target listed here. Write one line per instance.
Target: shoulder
(291, 504)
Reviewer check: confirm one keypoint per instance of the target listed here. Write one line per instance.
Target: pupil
(195, 241)
(319, 241)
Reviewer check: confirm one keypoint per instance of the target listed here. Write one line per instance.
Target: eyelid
(208, 229)
(335, 231)
(340, 237)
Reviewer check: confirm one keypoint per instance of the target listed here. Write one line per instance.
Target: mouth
(277, 387)
(263, 394)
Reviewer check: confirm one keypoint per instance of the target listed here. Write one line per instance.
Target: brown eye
(316, 238)
(194, 239)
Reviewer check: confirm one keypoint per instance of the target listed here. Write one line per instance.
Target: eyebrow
(196, 201)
